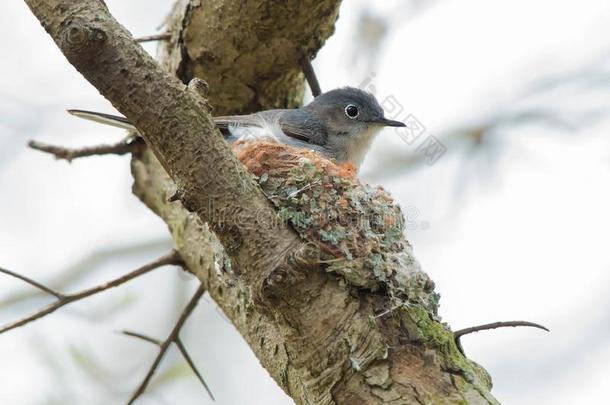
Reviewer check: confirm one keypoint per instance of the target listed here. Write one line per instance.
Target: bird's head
(351, 117)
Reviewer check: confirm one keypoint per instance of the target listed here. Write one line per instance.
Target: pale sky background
(516, 228)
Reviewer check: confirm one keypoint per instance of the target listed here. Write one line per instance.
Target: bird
(340, 124)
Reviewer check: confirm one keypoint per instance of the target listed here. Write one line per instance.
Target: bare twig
(182, 349)
(127, 145)
(310, 75)
(155, 37)
(392, 309)
(80, 268)
(64, 299)
(34, 283)
(495, 325)
(174, 337)
(141, 336)
(188, 359)
(459, 333)
(306, 187)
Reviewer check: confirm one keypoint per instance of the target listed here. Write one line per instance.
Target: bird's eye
(351, 111)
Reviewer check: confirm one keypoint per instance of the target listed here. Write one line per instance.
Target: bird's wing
(265, 124)
(106, 119)
(279, 124)
(302, 126)
(296, 132)
(272, 123)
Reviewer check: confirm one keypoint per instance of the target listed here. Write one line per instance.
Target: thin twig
(307, 186)
(459, 333)
(191, 364)
(34, 283)
(182, 349)
(174, 337)
(495, 325)
(392, 309)
(310, 75)
(156, 37)
(141, 336)
(127, 145)
(80, 268)
(64, 299)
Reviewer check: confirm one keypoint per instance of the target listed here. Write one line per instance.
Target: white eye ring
(349, 111)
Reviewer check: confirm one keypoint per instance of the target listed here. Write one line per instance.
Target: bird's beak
(388, 123)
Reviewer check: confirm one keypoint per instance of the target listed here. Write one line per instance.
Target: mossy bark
(317, 335)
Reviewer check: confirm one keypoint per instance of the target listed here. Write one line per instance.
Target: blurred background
(503, 174)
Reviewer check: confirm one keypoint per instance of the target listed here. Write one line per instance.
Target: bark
(316, 334)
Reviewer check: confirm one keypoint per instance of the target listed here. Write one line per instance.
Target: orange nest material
(262, 156)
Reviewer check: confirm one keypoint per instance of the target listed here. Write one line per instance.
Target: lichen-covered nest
(359, 229)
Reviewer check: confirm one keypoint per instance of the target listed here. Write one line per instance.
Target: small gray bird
(340, 124)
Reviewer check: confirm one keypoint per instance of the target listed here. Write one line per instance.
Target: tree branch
(310, 75)
(180, 346)
(156, 37)
(34, 283)
(163, 109)
(459, 333)
(141, 337)
(127, 145)
(78, 269)
(65, 299)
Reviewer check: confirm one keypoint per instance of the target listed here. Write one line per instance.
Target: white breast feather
(357, 148)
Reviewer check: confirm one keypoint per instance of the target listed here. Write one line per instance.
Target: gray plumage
(340, 124)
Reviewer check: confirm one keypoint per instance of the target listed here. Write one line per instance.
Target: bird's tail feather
(118, 121)
(102, 118)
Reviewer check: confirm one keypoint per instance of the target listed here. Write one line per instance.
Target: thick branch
(249, 51)
(170, 118)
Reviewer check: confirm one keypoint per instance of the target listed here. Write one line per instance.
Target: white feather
(262, 129)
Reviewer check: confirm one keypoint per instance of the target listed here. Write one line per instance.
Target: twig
(64, 299)
(77, 270)
(174, 337)
(392, 309)
(34, 283)
(182, 349)
(459, 333)
(307, 186)
(127, 145)
(188, 359)
(156, 37)
(310, 75)
(141, 336)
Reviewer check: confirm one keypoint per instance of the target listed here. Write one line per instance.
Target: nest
(359, 229)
